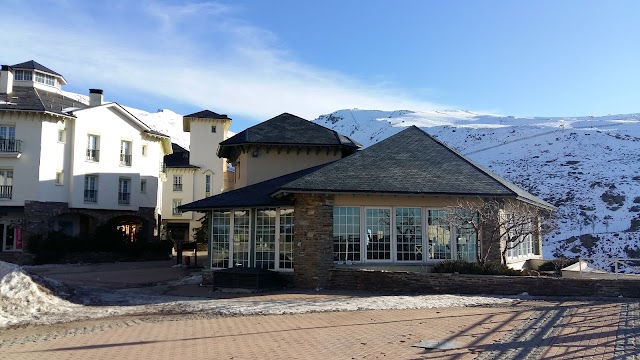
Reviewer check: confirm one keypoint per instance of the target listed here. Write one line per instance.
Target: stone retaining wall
(429, 283)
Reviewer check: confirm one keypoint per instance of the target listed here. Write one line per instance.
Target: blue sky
(256, 59)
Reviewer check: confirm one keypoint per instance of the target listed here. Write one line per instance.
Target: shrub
(465, 267)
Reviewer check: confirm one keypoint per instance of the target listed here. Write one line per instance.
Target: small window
(213, 128)
(143, 186)
(174, 207)
(124, 193)
(125, 153)
(62, 135)
(59, 178)
(177, 183)
(23, 75)
(144, 150)
(91, 188)
(207, 185)
(93, 148)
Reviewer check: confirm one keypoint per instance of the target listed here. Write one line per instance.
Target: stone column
(313, 240)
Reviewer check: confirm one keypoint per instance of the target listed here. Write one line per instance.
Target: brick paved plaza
(522, 330)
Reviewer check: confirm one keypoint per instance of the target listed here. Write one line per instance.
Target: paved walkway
(532, 329)
(524, 330)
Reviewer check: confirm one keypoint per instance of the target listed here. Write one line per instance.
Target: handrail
(616, 266)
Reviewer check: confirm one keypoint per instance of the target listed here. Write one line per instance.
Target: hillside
(587, 166)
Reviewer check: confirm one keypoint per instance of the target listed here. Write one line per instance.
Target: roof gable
(410, 162)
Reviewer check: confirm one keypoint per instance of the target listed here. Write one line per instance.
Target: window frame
(177, 183)
(91, 186)
(93, 148)
(143, 186)
(126, 157)
(6, 183)
(124, 198)
(174, 207)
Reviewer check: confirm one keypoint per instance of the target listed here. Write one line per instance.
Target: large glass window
(409, 234)
(439, 234)
(265, 238)
(220, 226)
(286, 239)
(466, 242)
(346, 233)
(378, 236)
(241, 238)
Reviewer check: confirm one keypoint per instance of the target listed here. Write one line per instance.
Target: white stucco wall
(54, 157)
(26, 168)
(112, 127)
(203, 148)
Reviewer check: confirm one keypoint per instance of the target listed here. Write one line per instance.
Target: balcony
(6, 191)
(10, 148)
(125, 160)
(93, 155)
(124, 198)
(91, 196)
(177, 187)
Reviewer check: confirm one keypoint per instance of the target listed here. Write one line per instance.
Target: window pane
(265, 238)
(286, 239)
(439, 235)
(241, 238)
(409, 234)
(378, 238)
(220, 239)
(346, 234)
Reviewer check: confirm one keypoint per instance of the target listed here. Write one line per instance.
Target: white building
(66, 166)
(193, 175)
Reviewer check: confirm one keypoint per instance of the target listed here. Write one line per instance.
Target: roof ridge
(40, 99)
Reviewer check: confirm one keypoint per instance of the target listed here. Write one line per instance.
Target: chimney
(6, 80)
(95, 97)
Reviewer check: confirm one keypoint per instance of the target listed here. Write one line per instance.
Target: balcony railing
(177, 187)
(6, 191)
(10, 145)
(91, 195)
(176, 211)
(93, 155)
(124, 198)
(125, 159)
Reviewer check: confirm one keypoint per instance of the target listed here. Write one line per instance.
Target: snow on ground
(24, 300)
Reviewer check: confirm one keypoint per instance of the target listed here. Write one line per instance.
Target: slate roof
(32, 65)
(410, 162)
(256, 195)
(179, 158)
(26, 98)
(288, 129)
(207, 114)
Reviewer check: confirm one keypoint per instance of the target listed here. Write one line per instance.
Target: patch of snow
(23, 300)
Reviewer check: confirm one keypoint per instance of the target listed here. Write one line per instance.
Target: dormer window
(45, 79)
(24, 75)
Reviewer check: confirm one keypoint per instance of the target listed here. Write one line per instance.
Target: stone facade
(37, 215)
(313, 234)
(426, 283)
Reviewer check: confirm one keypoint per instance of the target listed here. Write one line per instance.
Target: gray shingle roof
(32, 65)
(26, 98)
(288, 129)
(256, 195)
(410, 162)
(207, 114)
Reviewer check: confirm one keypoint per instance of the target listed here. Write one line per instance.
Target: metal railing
(614, 266)
(93, 155)
(125, 159)
(177, 187)
(6, 191)
(91, 195)
(124, 198)
(10, 145)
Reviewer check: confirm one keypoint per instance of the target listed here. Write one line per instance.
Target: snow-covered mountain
(589, 167)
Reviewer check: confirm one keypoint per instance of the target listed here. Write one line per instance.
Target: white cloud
(230, 67)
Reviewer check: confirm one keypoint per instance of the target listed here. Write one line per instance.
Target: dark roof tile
(207, 114)
(26, 98)
(410, 162)
(32, 65)
(252, 195)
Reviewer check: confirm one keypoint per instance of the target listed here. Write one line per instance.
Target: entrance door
(8, 234)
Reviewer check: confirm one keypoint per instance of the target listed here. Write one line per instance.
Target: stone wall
(413, 282)
(313, 234)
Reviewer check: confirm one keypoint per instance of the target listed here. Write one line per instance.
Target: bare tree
(507, 223)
